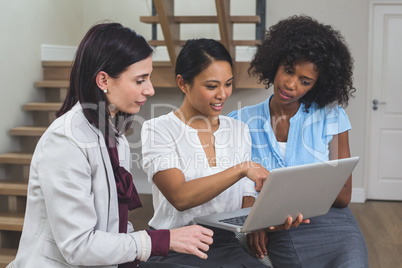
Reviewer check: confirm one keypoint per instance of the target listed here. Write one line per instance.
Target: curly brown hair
(303, 38)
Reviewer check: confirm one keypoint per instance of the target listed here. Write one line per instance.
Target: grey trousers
(331, 240)
(226, 251)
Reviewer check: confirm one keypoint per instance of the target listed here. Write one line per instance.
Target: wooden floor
(381, 225)
(379, 221)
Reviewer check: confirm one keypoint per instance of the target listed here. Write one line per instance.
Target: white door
(385, 112)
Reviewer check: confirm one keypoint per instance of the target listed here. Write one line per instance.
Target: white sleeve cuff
(146, 246)
(249, 188)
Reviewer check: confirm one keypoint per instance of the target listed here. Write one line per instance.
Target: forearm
(248, 201)
(338, 149)
(184, 194)
(95, 249)
(345, 195)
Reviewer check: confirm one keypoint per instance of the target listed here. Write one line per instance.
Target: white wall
(126, 12)
(24, 26)
(64, 22)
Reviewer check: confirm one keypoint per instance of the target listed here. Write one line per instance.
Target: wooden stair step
(7, 255)
(61, 64)
(11, 221)
(16, 158)
(161, 64)
(203, 19)
(56, 70)
(248, 43)
(52, 84)
(27, 131)
(13, 188)
(43, 106)
(163, 77)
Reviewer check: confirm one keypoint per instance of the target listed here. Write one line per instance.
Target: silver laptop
(306, 189)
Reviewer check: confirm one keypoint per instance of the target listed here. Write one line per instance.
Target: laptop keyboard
(239, 220)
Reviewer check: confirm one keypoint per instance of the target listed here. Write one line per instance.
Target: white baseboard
(242, 53)
(160, 54)
(57, 53)
(358, 195)
(245, 53)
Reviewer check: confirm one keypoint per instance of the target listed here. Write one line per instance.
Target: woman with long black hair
(80, 189)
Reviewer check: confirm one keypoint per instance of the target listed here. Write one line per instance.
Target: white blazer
(72, 217)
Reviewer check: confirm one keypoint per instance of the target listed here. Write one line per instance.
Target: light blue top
(309, 134)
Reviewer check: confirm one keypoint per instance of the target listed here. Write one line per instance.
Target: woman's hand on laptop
(288, 224)
(255, 172)
(257, 241)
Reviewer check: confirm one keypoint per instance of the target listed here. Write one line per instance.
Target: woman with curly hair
(310, 68)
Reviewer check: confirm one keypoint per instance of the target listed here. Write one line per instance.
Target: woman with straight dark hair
(198, 161)
(79, 189)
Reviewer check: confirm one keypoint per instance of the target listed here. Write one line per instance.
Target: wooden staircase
(163, 75)
(13, 188)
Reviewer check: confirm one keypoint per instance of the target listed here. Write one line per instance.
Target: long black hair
(107, 47)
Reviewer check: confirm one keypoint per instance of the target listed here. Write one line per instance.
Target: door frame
(369, 96)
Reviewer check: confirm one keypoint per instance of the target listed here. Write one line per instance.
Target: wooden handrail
(170, 29)
(225, 26)
(170, 25)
